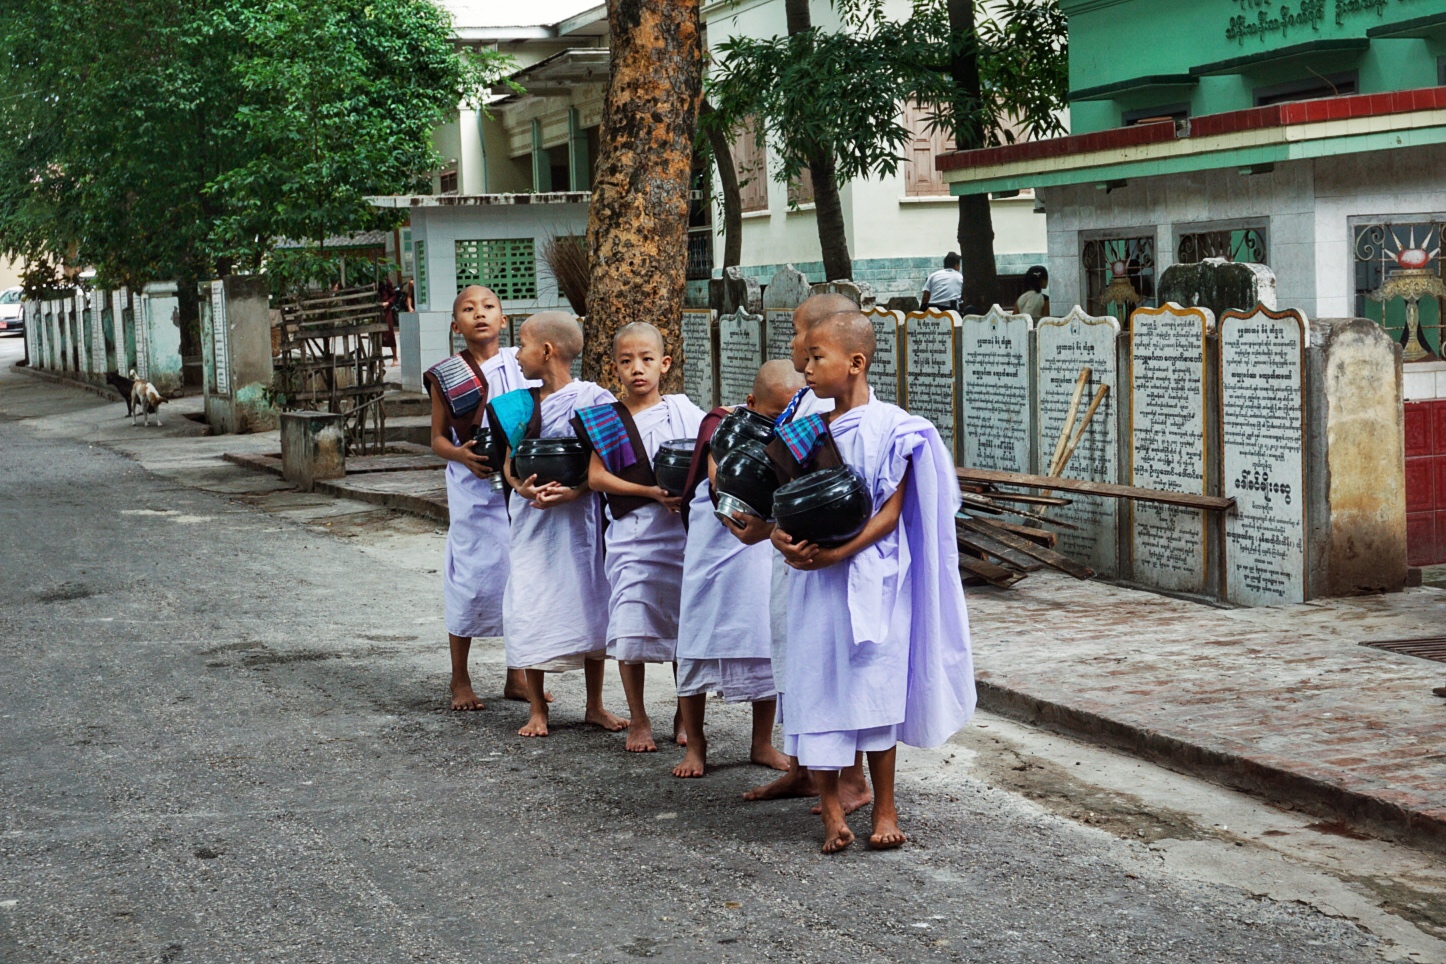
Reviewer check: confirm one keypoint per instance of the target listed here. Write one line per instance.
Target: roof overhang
(563, 71)
(1331, 50)
(477, 200)
(1249, 140)
(1160, 82)
(1421, 28)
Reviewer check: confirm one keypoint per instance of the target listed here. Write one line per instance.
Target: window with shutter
(920, 177)
(750, 159)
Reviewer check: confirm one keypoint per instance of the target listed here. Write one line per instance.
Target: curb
(55, 378)
(401, 501)
(1236, 771)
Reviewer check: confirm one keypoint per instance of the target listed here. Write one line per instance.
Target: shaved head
(558, 329)
(775, 384)
(850, 331)
(816, 308)
(639, 329)
(467, 292)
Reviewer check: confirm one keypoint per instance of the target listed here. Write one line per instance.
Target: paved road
(222, 741)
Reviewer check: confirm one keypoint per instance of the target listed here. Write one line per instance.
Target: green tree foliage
(844, 88)
(156, 140)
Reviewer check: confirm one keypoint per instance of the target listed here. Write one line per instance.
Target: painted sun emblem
(1412, 256)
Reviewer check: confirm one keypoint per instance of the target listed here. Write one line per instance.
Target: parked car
(12, 312)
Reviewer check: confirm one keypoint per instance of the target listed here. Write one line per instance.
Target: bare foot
(536, 725)
(516, 688)
(694, 761)
(886, 835)
(640, 737)
(608, 721)
(795, 783)
(852, 795)
(680, 735)
(836, 836)
(463, 698)
(768, 756)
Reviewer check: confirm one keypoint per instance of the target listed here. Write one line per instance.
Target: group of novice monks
(853, 648)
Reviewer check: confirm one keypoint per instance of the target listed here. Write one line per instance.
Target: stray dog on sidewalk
(145, 399)
(123, 386)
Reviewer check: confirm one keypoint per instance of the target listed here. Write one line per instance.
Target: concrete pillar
(313, 446)
(541, 166)
(236, 355)
(158, 324)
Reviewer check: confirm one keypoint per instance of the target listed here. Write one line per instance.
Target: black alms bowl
(561, 460)
(745, 480)
(828, 507)
(670, 465)
(484, 438)
(739, 424)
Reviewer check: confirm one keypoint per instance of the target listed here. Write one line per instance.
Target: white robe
(878, 645)
(475, 565)
(724, 636)
(810, 404)
(644, 553)
(555, 610)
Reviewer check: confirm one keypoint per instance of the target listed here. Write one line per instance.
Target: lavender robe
(555, 609)
(644, 553)
(724, 636)
(475, 567)
(878, 645)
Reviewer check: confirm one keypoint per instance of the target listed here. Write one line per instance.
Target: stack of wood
(1000, 553)
(329, 357)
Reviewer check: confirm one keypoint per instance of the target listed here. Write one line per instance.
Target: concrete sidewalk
(1283, 702)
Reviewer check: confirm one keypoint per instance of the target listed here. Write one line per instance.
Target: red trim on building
(1256, 118)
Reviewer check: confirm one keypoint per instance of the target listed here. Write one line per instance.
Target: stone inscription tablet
(740, 355)
(220, 333)
(1262, 411)
(97, 331)
(699, 367)
(1064, 347)
(996, 413)
(142, 315)
(778, 336)
(931, 362)
(884, 371)
(1167, 444)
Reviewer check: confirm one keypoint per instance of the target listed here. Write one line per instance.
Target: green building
(1307, 135)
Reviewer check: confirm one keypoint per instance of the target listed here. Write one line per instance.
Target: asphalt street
(223, 737)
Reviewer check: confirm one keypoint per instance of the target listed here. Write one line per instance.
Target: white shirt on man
(944, 286)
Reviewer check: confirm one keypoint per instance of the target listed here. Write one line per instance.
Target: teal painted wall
(1116, 41)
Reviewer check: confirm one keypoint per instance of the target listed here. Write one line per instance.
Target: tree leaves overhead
(846, 87)
(155, 140)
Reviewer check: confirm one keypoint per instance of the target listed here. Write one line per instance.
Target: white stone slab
(142, 316)
(931, 355)
(740, 355)
(700, 368)
(1262, 429)
(1064, 347)
(996, 400)
(786, 291)
(220, 338)
(1167, 444)
(94, 303)
(884, 371)
(123, 360)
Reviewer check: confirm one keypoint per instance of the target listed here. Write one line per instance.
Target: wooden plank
(989, 572)
(1027, 498)
(1031, 516)
(983, 543)
(1043, 537)
(1210, 503)
(1047, 556)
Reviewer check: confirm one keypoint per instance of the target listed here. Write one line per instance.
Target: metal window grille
(1242, 244)
(700, 254)
(1113, 268)
(1383, 251)
(506, 265)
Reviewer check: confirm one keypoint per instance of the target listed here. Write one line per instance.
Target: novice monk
(724, 636)
(853, 787)
(555, 607)
(475, 567)
(644, 543)
(878, 636)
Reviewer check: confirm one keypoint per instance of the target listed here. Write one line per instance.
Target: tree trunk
(637, 225)
(728, 183)
(976, 222)
(833, 240)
